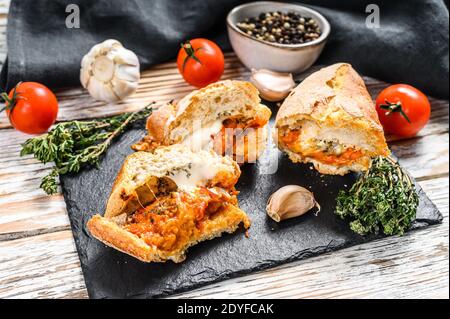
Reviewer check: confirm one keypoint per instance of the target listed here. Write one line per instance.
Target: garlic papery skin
(110, 72)
(289, 202)
(272, 86)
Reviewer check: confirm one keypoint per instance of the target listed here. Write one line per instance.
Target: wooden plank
(41, 267)
(424, 157)
(413, 266)
(4, 8)
(24, 208)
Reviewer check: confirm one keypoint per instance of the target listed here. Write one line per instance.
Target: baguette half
(329, 120)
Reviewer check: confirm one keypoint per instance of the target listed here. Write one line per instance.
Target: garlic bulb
(273, 86)
(110, 72)
(290, 201)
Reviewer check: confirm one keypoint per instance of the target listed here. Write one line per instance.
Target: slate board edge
(417, 224)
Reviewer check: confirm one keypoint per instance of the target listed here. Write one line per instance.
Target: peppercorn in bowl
(277, 36)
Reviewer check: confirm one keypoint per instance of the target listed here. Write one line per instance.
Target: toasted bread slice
(165, 201)
(330, 120)
(198, 119)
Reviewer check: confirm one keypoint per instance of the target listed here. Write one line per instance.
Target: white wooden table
(38, 258)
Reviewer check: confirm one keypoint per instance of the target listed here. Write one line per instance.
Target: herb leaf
(76, 144)
(383, 199)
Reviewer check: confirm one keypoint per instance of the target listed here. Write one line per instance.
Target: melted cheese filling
(193, 175)
(222, 136)
(202, 137)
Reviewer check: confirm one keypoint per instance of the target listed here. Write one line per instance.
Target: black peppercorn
(279, 27)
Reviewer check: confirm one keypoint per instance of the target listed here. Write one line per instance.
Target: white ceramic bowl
(258, 54)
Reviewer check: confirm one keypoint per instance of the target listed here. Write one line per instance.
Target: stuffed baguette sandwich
(329, 120)
(225, 116)
(165, 201)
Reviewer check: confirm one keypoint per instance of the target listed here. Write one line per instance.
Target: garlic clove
(126, 87)
(127, 73)
(289, 202)
(127, 57)
(96, 50)
(101, 91)
(86, 61)
(84, 79)
(110, 72)
(273, 86)
(108, 46)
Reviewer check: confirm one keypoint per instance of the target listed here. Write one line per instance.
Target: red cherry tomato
(200, 62)
(31, 107)
(403, 110)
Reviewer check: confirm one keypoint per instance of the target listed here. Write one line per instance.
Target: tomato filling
(291, 138)
(235, 129)
(173, 220)
(238, 123)
(327, 155)
(347, 157)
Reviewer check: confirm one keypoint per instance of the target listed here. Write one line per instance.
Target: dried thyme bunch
(76, 144)
(384, 198)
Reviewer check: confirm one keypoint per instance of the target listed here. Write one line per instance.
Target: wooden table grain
(38, 258)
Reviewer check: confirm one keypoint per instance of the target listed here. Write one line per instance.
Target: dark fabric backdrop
(411, 46)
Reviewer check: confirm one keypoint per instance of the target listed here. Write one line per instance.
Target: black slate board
(111, 274)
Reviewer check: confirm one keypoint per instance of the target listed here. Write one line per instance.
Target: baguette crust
(334, 97)
(111, 234)
(338, 86)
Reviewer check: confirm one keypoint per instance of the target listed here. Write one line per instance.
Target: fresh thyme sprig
(384, 198)
(76, 144)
